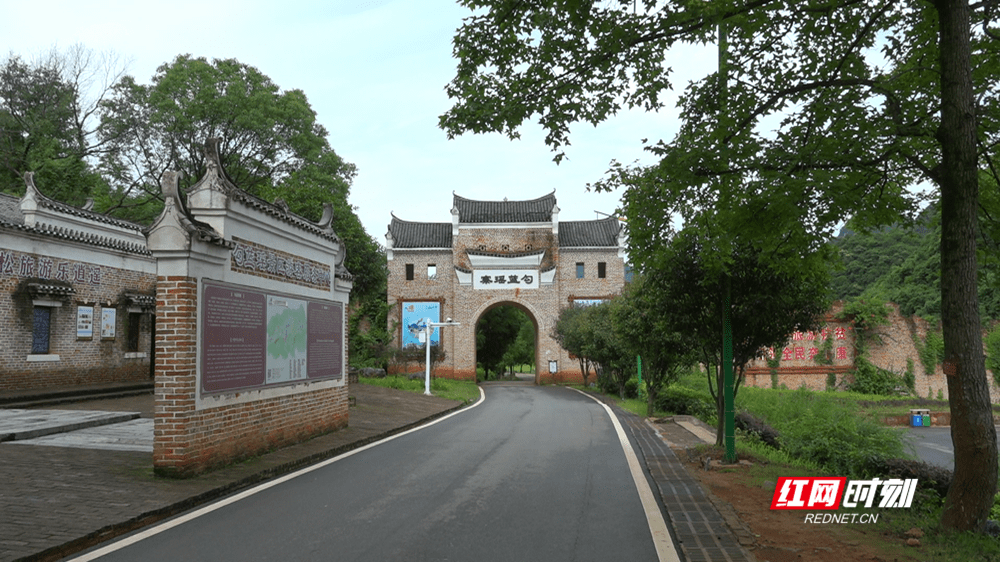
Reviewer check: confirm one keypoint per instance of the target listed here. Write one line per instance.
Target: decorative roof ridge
(535, 200)
(404, 221)
(284, 214)
(278, 209)
(77, 236)
(46, 201)
(473, 252)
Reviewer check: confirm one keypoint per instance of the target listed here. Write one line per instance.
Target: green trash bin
(926, 420)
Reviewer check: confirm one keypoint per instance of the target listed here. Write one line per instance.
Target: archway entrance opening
(506, 344)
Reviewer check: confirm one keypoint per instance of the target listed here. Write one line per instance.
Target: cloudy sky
(375, 72)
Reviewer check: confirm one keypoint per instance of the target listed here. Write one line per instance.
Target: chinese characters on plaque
(505, 279)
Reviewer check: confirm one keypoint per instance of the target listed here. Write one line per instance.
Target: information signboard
(252, 339)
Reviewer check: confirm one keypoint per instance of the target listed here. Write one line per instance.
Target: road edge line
(662, 540)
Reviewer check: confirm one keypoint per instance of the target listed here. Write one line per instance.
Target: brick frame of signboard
(251, 327)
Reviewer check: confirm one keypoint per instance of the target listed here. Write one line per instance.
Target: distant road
(533, 473)
(933, 445)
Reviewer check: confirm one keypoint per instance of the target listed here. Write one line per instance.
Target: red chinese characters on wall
(807, 346)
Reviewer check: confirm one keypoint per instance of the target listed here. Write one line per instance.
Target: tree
(271, 146)
(48, 121)
(767, 303)
(496, 331)
(830, 111)
(606, 348)
(642, 319)
(573, 333)
(522, 351)
(267, 134)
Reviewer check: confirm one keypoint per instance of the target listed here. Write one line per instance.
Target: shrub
(632, 388)
(869, 379)
(928, 476)
(685, 402)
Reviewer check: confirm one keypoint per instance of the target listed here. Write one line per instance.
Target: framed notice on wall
(251, 339)
(108, 317)
(84, 322)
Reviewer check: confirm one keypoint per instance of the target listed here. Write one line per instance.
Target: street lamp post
(428, 330)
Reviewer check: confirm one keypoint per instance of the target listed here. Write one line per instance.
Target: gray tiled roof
(536, 210)
(589, 234)
(407, 234)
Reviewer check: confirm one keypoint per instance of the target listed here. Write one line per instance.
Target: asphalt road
(533, 473)
(933, 445)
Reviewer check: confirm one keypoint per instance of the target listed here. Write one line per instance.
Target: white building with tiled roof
(496, 253)
(77, 294)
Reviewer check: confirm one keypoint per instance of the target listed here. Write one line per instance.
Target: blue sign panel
(414, 315)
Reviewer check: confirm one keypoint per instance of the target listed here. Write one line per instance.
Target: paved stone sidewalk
(55, 501)
(702, 532)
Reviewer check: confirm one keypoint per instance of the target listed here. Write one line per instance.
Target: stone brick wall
(466, 305)
(188, 440)
(71, 360)
(893, 347)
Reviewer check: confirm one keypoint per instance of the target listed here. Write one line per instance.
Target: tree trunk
(970, 497)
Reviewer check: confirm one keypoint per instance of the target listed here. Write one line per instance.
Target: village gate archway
(493, 253)
(535, 362)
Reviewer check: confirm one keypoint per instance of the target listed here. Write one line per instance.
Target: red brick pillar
(176, 385)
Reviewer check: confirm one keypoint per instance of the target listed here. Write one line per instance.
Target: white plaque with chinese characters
(505, 279)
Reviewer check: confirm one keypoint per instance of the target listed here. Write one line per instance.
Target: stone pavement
(88, 486)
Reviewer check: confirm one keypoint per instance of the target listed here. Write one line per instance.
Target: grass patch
(460, 391)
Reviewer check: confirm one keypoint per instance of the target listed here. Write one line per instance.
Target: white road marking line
(152, 531)
(665, 550)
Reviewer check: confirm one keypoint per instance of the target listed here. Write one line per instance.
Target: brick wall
(188, 440)
(893, 347)
(87, 360)
(466, 305)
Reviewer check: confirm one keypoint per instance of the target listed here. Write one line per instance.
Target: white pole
(427, 358)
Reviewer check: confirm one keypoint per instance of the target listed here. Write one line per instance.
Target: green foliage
(767, 301)
(910, 378)
(496, 332)
(931, 351)
(462, 391)
(522, 351)
(831, 381)
(825, 355)
(687, 402)
(993, 352)
(867, 257)
(644, 327)
(867, 314)
(869, 379)
(45, 125)
(824, 430)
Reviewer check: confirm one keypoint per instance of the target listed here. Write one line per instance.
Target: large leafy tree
(496, 332)
(271, 146)
(826, 110)
(48, 120)
(574, 333)
(767, 302)
(267, 134)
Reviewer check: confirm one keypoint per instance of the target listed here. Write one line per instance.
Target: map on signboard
(286, 339)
